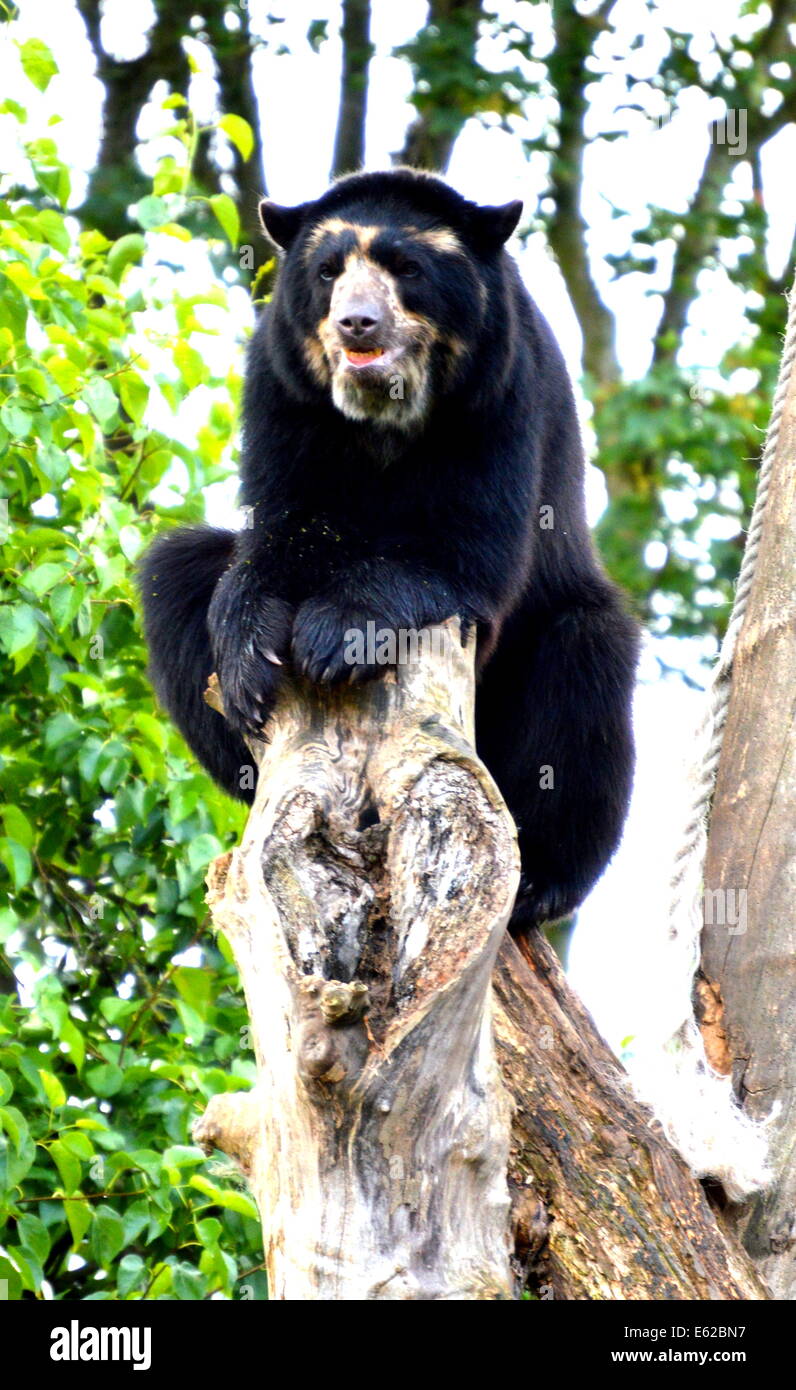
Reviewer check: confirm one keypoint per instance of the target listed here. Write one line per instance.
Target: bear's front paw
(251, 643)
(334, 644)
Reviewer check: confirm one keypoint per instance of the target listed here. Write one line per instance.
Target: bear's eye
(326, 271)
(409, 270)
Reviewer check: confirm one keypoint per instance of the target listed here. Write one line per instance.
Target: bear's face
(387, 289)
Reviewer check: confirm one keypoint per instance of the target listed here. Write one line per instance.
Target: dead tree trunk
(394, 1152)
(749, 939)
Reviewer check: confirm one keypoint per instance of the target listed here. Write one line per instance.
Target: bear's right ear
(492, 226)
(282, 224)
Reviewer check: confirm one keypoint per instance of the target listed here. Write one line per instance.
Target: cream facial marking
(334, 226)
(438, 238)
(386, 376)
(441, 239)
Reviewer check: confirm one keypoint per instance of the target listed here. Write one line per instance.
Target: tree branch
(702, 233)
(430, 138)
(567, 227)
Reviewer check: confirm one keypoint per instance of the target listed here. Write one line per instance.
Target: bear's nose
(359, 321)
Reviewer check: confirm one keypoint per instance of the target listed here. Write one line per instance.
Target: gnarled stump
(390, 1155)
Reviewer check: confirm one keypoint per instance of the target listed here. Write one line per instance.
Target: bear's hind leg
(177, 579)
(553, 725)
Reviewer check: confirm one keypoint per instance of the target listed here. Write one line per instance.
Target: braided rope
(715, 718)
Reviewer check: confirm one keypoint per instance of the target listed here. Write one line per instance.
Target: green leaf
(44, 577)
(240, 133)
(191, 364)
(77, 1143)
(151, 212)
(33, 1236)
(54, 228)
(28, 1266)
(209, 1231)
(107, 1235)
(227, 215)
(134, 393)
(17, 826)
(131, 542)
(72, 1042)
(68, 1166)
(202, 849)
(13, 108)
(100, 398)
(23, 277)
(192, 1022)
(79, 1217)
(18, 627)
(38, 63)
(104, 1079)
(16, 419)
(132, 1272)
(225, 1197)
(188, 1282)
(54, 1091)
(50, 172)
(21, 1153)
(149, 1162)
(18, 862)
(65, 601)
(128, 250)
(53, 462)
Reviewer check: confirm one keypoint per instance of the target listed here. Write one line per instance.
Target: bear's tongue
(361, 359)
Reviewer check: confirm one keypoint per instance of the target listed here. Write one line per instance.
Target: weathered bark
(366, 907)
(349, 142)
(749, 948)
(379, 1160)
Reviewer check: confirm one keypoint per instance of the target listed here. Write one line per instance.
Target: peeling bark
(436, 1116)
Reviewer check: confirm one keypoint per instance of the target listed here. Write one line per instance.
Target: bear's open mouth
(362, 359)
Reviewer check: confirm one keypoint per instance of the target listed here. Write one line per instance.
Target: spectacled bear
(411, 450)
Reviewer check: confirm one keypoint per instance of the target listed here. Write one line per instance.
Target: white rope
(695, 1105)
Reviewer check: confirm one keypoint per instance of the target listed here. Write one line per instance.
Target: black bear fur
(405, 519)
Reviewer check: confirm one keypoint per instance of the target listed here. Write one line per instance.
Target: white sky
(298, 96)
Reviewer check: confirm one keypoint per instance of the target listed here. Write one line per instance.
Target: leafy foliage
(123, 1015)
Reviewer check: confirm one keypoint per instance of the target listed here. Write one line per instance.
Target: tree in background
(222, 26)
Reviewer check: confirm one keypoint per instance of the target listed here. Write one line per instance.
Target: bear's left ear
(492, 226)
(282, 224)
